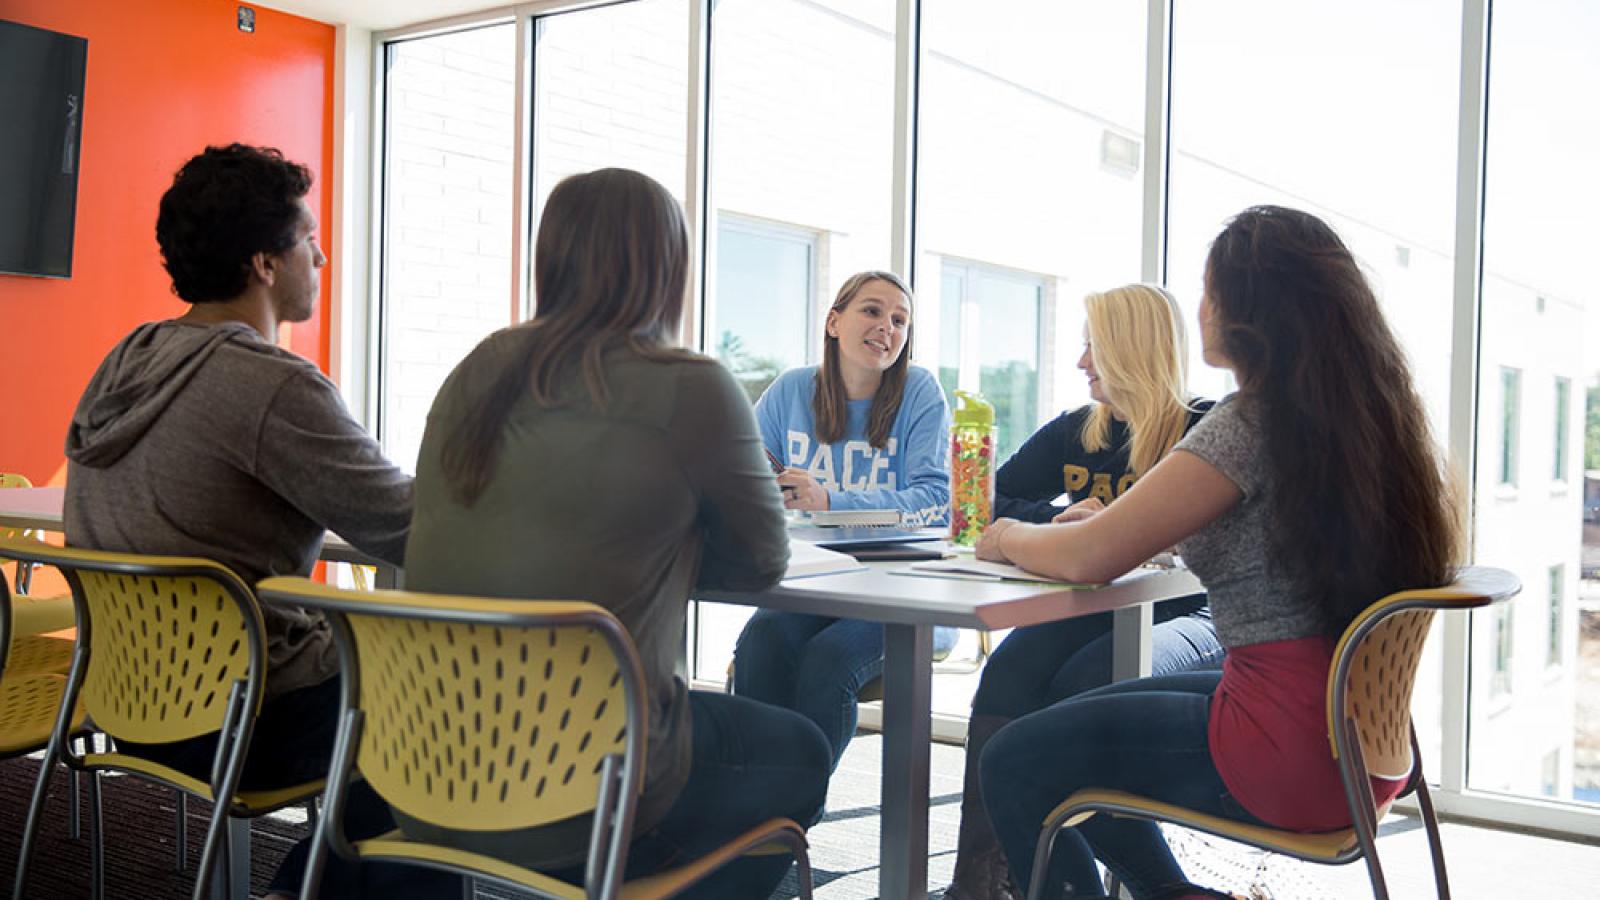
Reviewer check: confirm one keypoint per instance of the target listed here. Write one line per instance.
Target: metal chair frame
(242, 703)
(621, 776)
(1473, 588)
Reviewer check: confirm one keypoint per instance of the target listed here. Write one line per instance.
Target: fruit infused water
(971, 469)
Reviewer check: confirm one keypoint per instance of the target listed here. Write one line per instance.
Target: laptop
(845, 537)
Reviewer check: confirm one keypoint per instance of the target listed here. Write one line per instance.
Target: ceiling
(380, 14)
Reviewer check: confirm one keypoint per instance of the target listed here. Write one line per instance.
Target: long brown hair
(610, 269)
(829, 409)
(1137, 340)
(1361, 503)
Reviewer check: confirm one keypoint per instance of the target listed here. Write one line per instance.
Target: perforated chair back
(488, 727)
(1377, 696)
(162, 640)
(166, 649)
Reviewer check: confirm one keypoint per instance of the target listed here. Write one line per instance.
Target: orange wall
(165, 78)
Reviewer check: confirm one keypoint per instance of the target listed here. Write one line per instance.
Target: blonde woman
(1134, 358)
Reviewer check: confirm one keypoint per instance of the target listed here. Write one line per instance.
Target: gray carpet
(140, 822)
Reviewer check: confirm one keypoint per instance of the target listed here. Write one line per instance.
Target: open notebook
(980, 570)
(806, 559)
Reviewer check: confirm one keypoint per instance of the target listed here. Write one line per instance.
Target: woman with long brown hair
(1299, 500)
(583, 455)
(865, 430)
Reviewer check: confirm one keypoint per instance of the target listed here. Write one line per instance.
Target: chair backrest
(1375, 665)
(13, 480)
(483, 714)
(161, 640)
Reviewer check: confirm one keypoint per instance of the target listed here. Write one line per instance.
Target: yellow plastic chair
(31, 616)
(29, 696)
(497, 715)
(168, 648)
(1369, 733)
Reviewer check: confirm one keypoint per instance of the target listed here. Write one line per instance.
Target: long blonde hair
(829, 403)
(1137, 339)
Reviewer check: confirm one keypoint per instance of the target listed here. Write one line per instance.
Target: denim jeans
(1038, 665)
(293, 743)
(1147, 736)
(751, 763)
(814, 665)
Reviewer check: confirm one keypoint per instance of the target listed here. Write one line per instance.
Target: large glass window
(992, 344)
(447, 216)
(1363, 97)
(801, 133)
(766, 274)
(1510, 425)
(1563, 407)
(1557, 605)
(610, 88)
(1031, 123)
(1539, 327)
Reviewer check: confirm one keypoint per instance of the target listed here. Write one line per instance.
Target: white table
(40, 508)
(910, 607)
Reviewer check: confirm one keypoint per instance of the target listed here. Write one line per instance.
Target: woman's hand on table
(1079, 511)
(801, 491)
(989, 544)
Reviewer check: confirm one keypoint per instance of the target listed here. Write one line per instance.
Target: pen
(773, 461)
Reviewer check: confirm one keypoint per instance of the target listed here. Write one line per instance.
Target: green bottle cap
(973, 410)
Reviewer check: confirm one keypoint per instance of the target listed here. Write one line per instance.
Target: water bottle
(971, 469)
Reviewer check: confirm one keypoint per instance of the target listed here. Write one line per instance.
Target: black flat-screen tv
(41, 125)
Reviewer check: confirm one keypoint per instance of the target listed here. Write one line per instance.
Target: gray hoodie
(207, 441)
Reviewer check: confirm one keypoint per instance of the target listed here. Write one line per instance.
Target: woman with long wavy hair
(1135, 357)
(584, 455)
(865, 430)
(1300, 499)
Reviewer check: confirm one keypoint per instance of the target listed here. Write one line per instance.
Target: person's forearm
(1065, 551)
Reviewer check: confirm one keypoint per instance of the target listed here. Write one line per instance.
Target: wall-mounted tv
(41, 125)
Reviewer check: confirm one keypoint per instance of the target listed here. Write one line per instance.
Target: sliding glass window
(1540, 335)
(801, 143)
(446, 277)
(1346, 111)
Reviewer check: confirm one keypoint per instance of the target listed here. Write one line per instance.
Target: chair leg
(74, 808)
(97, 841)
(234, 880)
(30, 830)
(182, 830)
(802, 873)
(1366, 822)
(1430, 821)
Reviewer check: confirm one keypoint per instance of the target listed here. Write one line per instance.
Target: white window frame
(358, 172)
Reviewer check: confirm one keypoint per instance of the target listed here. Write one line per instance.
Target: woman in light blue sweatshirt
(865, 430)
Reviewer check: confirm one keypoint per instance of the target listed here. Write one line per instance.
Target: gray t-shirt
(1252, 600)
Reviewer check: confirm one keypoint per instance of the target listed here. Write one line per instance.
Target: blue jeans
(814, 665)
(292, 744)
(1147, 736)
(750, 763)
(1038, 665)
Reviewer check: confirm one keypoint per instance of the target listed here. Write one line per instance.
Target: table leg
(1130, 641)
(389, 578)
(907, 730)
